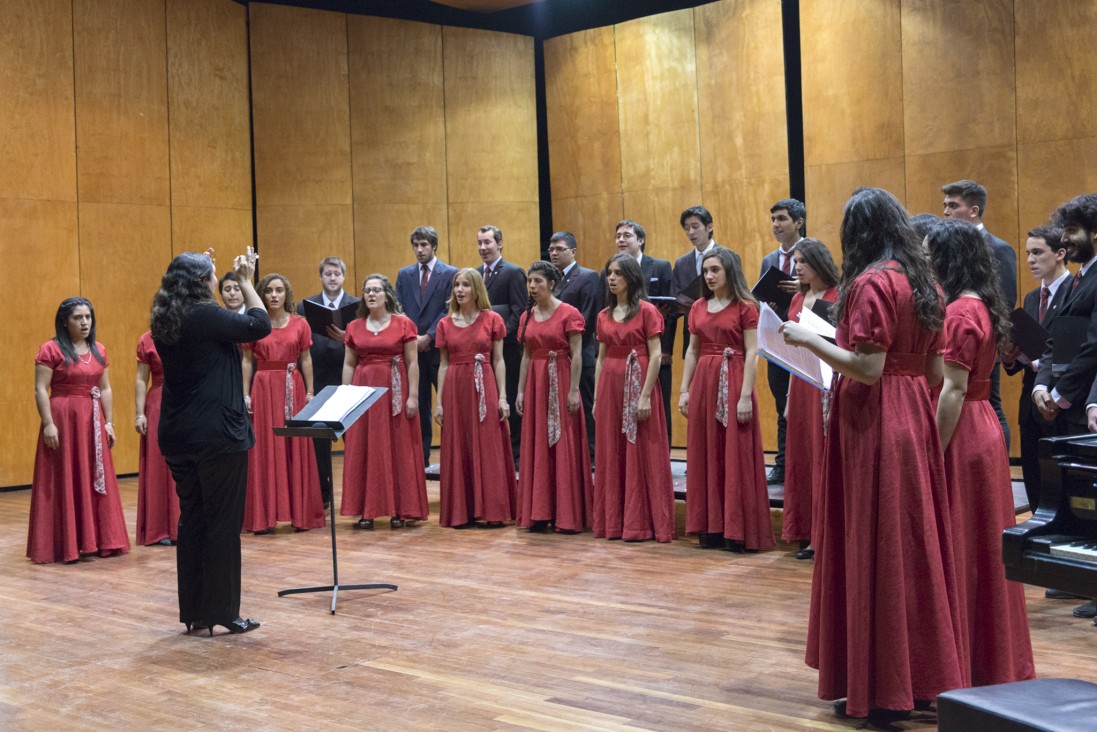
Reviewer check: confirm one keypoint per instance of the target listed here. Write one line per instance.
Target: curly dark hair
(876, 230)
(963, 264)
(392, 304)
(289, 304)
(184, 284)
(552, 275)
(816, 255)
(61, 327)
(634, 278)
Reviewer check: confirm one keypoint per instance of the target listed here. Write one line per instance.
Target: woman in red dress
(884, 627)
(818, 276)
(477, 464)
(382, 466)
(977, 327)
(727, 504)
(554, 483)
(157, 502)
(633, 490)
(74, 507)
(283, 484)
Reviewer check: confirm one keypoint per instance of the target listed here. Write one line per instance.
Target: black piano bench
(1040, 705)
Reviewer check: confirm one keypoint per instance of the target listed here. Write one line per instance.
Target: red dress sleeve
(496, 327)
(748, 315)
(49, 355)
(653, 321)
(144, 343)
(410, 331)
(441, 331)
(349, 335)
(870, 311)
(573, 321)
(522, 323)
(962, 338)
(103, 353)
(694, 309)
(600, 326)
(304, 333)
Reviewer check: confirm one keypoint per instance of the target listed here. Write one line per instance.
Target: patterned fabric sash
(631, 396)
(396, 383)
(290, 368)
(553, 394)
(978, 390)
(905, 364)
(93, 393)
(477, 360)
(722, 392)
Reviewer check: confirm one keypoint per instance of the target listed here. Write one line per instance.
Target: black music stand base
(334, 587)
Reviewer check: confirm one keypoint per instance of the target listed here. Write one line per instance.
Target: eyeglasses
(374, 290)
(558, 249)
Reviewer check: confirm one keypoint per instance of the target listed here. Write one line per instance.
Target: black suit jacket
(1005, 261)
(1031, 306)
(773, 259)
(327, 354)
(508, 295)
(685, 272)
(432, 307)
(1076, 382)
(582, 289)
(658, 281)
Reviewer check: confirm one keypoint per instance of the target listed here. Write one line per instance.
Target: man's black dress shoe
(710, 541)
(1086, 610)
(1061, 595)
(776, 475)
(806, 553)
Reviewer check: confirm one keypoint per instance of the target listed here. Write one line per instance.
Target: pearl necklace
(380, 326)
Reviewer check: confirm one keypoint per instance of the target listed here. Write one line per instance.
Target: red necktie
(1077, 279)
(424, 280)
(787, 268)
(489, 273)
(1045, 293)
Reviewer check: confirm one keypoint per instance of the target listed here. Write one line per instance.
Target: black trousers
(586, 392)
(778, 386)
(428, 377)
(322, 447)
(1033, 427)
(666, 388)
(512, 357)
(996, 400)
(211, 490)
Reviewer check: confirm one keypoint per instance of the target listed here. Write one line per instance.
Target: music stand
(303, 426)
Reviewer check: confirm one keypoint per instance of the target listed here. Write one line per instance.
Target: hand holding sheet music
(794, 359)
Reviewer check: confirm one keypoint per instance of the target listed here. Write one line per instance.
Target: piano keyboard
(1084, 550)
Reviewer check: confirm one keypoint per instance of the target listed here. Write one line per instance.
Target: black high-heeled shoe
(235, 627)
(195, 625)
(396, 523)
(365, 524)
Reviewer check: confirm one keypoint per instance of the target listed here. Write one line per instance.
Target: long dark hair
(289, 303)
(634, 279)
(875, 230)
(737, 284)
(816, 255)
(962, 262)
(184, 284)
(61, 327)
(392, 304)
(550, 273)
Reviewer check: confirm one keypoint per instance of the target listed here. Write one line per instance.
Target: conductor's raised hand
(244, 264)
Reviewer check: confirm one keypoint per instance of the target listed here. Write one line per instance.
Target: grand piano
(1057, 547)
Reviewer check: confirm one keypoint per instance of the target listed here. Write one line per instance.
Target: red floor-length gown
(157, 501)
(980, 491)
(283, 484)
(554, 482)
(725, 474)
(633, 490)
(884, 624)
(74, 506)
(383, 459)
(477, 464)
(803, 444)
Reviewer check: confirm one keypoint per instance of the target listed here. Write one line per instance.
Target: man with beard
(1063, 390)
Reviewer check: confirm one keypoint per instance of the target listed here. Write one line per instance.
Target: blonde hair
(479, 291)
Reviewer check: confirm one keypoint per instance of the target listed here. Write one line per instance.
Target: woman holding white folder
(727, 504)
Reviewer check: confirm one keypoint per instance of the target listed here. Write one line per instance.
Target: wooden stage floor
(490, 630)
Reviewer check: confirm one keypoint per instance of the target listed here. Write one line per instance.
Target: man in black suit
(631, 239)
(506, 285)
(1064, 392)
(696, 222)
(423, 290)
(327, 355)
(1046, 255)
(787, 217)
(580, 288)
(967, 200)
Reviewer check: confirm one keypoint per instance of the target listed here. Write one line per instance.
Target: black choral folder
(767, 289)
(320, 317)
(1027, 334)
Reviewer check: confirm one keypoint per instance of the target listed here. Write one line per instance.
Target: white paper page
(342, 402)
(798, 361)
(809, 319)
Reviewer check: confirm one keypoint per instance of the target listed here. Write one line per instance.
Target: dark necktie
(1045, 293)
(1077, 279)
(489, 274)
(787, 268)
(424, 280)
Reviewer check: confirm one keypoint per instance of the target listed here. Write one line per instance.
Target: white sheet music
(796, 360)
(344, 401)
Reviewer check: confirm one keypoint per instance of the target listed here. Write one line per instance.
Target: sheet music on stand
(798, 361)
(344, 401)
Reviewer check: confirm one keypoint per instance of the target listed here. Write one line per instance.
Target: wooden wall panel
(1049, 174)
(121, 101)
(210, 126)
(852, 81)
(830, 186)
(491, 143)
(398, 139)
(301, 121)
(657, 108)
(591, 220)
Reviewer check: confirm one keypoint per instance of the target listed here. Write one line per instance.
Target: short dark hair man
(966, 200)
(506, 285)
(630, 237)
(787, 217)
(580, 288)
(423, 290)
(327, 355)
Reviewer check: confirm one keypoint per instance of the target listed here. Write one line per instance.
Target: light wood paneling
(1056, 72)
(121, 101)
(491, 142)
(852, 81)
(40, 246)
(740, 212)
(37, 142)
(830, 186)
(961, 51)
(300, 106)
(293, 240)
(1051, 173)
(584, 137)
(124, 249)
(398, 138)
(208, 96)
(591, 220)
(195, 228)
(657, 107)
